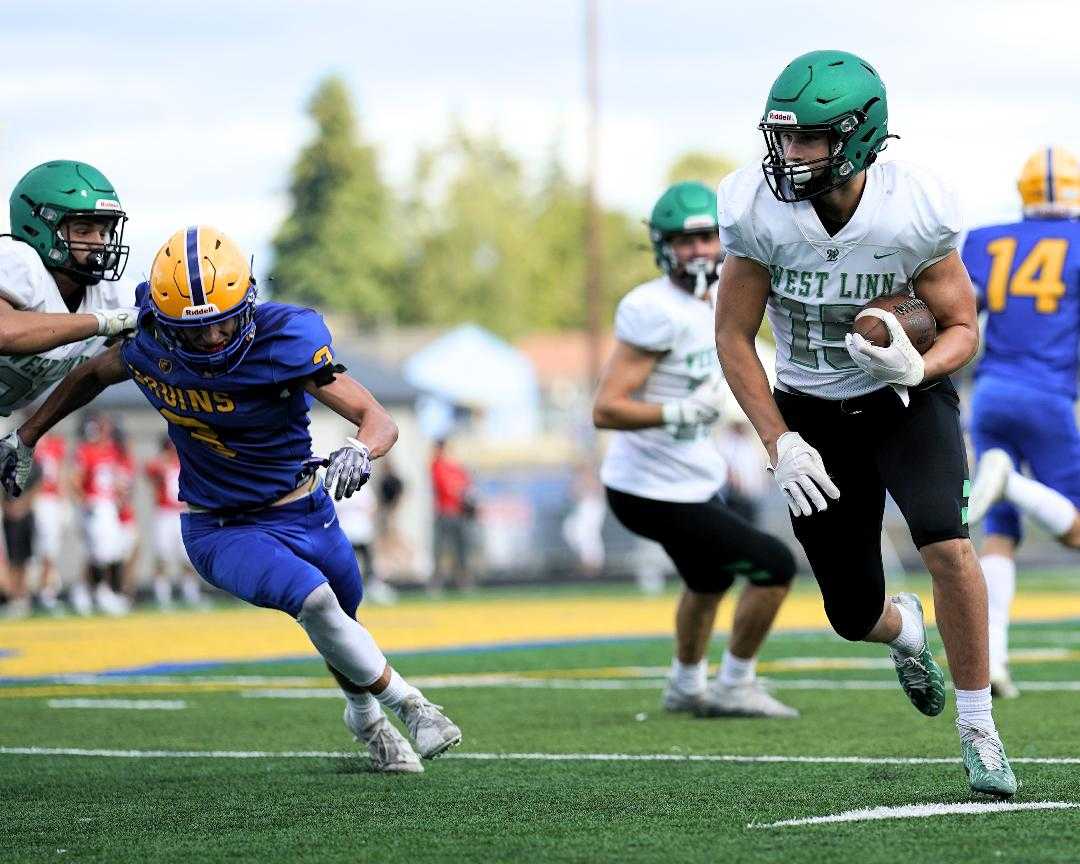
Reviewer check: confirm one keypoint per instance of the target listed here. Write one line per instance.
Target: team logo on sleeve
(323, 356)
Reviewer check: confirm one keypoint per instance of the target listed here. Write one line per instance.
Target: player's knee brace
(342, 641)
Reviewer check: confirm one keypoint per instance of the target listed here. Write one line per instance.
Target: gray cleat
(389, 751)
(431, 730)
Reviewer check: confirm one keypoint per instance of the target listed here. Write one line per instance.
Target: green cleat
(985, 762)
(919, 674)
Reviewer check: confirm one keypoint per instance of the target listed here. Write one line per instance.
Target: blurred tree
(338, 248)
(709, 168)
(494, 250)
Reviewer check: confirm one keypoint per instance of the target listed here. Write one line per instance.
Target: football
(914, 316)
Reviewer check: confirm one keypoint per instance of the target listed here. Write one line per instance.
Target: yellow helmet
(201, 277)
(1049, 183)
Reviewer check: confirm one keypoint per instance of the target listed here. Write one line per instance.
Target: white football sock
(690, 677)
(999, 571)
(366, 708)
(973, 706)
(1049, 509)
(909, 641)
(397, 691)
(342, 641)
(735, 670)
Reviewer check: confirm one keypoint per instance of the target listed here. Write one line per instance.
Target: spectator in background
(95, 489)
(123, 579)
(395, 553)
(583, 526)
(172, 568)
(454, 510)
(52, 516)
(19, 543)
(748, 481)
(357, 517)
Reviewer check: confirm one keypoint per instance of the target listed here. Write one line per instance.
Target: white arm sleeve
(937, 220)
(734, 214)
(20, 280)
(644, 324)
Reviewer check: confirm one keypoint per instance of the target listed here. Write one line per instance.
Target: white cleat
(748, 699)
(677, 700)
(79, 598)
(1001, 684)
(431, 730)
(389, 751)
(991, 475)
(111, 603)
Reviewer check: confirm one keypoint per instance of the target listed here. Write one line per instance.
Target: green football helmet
(824, 91)
(685, 208)
(55, 191)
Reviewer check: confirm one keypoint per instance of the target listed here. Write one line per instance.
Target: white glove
(348, 469)
(114, 322)
(702, 407)
(900, 363)
(800, 471)
(16, 462)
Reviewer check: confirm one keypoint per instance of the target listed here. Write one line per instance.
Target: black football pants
(870, 445)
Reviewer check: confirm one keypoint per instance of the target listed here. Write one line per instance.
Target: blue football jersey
(1027, 275)
(242, 437)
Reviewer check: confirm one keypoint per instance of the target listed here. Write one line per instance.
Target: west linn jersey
(1028, 278)
(242, 437)
(905, 222)
(667, 463)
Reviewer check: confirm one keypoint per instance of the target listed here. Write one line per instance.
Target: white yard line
(921, 811)
(526, 757)
(121, 704)
(514, 681)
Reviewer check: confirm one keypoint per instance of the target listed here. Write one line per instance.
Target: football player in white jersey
(60, 298)
(812, 234)
(663, 472)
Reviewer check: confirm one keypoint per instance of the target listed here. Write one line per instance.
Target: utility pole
(593, 239)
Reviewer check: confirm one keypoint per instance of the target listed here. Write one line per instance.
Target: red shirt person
(451, 485)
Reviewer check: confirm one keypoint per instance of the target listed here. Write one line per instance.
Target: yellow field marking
(51, 646)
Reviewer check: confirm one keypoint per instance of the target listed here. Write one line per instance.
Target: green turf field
(547, 770)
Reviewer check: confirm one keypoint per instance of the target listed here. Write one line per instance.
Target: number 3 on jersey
(1038, 276)
(199, 431)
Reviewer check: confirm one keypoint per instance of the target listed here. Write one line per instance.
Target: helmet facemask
(697, 274)
(175, 337)
(803, 180)
(105, 262)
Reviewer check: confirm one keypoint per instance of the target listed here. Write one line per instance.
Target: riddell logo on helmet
(200, 311)
(106, 204)
(782, 117)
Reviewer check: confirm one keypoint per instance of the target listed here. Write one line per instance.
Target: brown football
(914, 316)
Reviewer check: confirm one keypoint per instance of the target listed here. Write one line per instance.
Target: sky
(196, 111)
